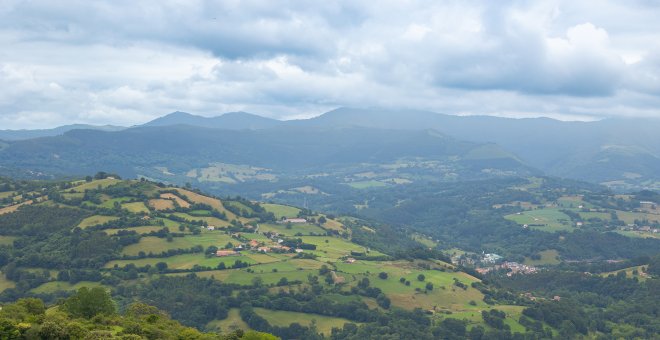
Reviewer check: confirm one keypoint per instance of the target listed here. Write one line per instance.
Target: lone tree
(382, 275)
(88, 303)
(421, 277)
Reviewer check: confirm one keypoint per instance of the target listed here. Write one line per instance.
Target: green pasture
(304, 229)
(238, 205)
(639, 234)
(110, 202)
(184, 261)
(229, 324)
(630, 217)
(280, 210)
(95, 220)
(140, 230)
(548, 257)
(600, 215)
(324, 324)
(214, 221)
(444, 293)
(334, 248)
(54, 286)
(641, 275)
(6, 194)
(156, 245)
(6, 283)
(103, 183)
(7, 240)
(135, 207)
(552, 220)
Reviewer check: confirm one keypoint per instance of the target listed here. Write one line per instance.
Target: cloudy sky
(126, 62)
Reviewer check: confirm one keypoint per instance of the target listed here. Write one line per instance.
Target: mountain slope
(569, 149)
(289, 152)
(10, 135)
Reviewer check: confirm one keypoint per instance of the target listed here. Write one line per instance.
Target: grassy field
(6, 194)
(424, 240)
(640, 234)
(551, 219)
(366, 184)
(214, 221)
(7, 240)
(333, 248)
(158, 245)
(96, 219)
(335, 225)
(103, 183)
(304, 229)
(324, 324)
(548, 257)
(270, 273)
(444, 294)
(12, 208)
(474, 318)
(54, 286)
(181, 202)
(185, 261)
(231, 323)
(641, 275)
(600, 215)
(161, 204)
(280, 210)
(238, 205)
(573, 202)
(140, 230)
(110, 202)
(213, 202)
(5, 283)
(135, 207)
(630, 217)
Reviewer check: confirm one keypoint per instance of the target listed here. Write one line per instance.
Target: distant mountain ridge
(230, 120)
(622, 153)
(12, 135)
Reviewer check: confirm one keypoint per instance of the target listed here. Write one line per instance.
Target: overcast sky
(126, 62)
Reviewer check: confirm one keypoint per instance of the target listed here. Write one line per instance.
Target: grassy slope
(280, 210)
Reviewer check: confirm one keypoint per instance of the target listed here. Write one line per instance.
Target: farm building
(210, 227)
(350, 260)
(254, 243)
(223, 253)
(263, 249)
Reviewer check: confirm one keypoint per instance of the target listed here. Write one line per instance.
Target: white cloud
(123, 62)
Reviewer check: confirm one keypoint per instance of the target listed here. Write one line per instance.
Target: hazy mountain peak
(231, 120)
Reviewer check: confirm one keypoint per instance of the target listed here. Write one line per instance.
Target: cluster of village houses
(645, 229)
(511, 267)
(493, 262)
(257, 246)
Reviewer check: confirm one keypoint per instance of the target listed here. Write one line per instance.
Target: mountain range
(621, 153)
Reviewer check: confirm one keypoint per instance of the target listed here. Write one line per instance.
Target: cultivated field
(547, 219)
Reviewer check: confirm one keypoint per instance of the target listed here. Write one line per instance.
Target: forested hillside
(227, 264)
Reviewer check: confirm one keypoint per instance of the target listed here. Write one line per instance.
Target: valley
(136, 237)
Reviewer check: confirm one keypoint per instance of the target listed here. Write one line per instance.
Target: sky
(126, 62)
